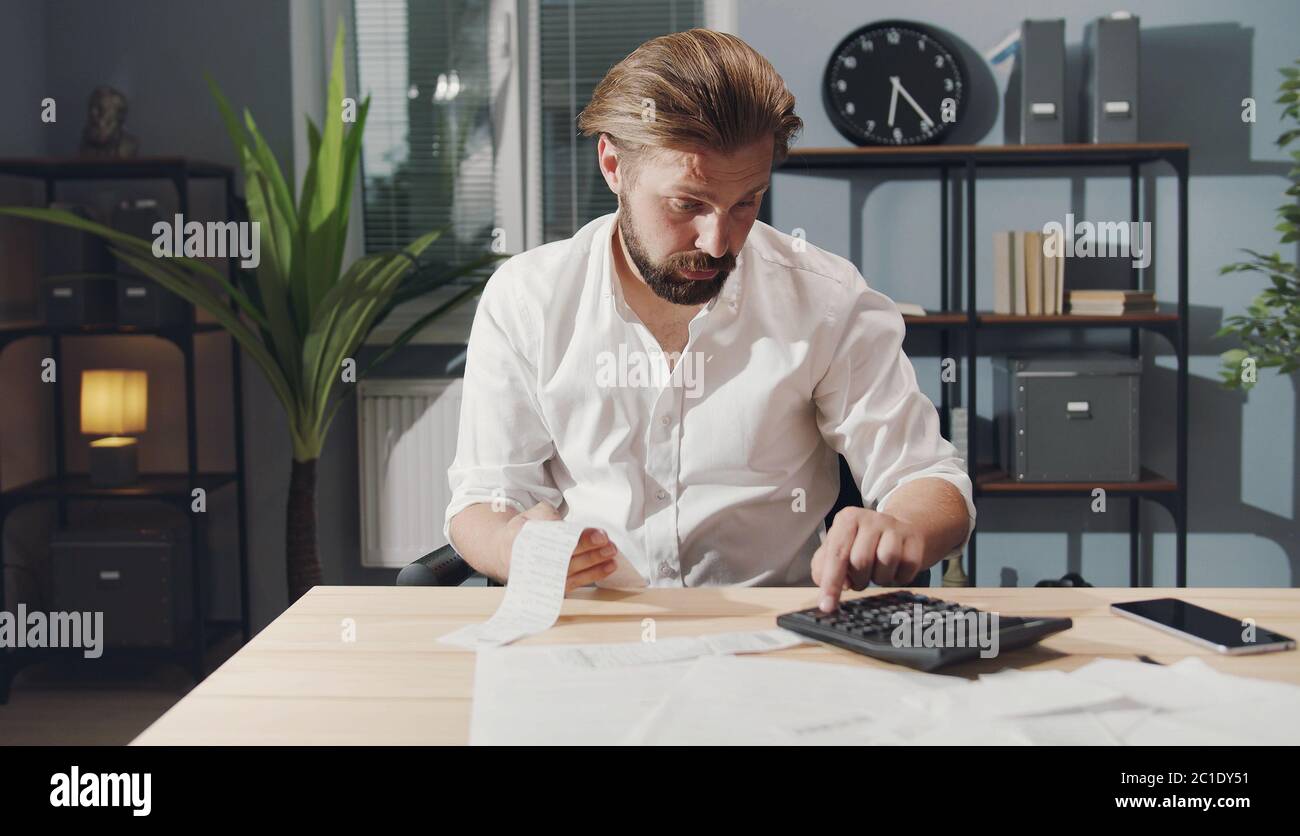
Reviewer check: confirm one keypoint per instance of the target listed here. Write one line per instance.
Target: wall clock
(895, 82)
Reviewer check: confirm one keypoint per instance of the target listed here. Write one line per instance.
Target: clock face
(894, 83)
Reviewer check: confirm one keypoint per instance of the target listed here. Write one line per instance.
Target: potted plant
(299, 314)
(1269, 331)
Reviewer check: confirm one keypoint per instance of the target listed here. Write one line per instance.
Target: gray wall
(1199, 60)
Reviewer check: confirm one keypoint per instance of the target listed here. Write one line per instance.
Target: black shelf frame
(963, 322)
(171, 488)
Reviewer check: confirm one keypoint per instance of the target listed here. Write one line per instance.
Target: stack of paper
(543, 695)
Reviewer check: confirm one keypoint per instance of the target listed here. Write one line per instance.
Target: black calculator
(919, 631)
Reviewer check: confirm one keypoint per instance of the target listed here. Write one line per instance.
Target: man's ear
(608, 156)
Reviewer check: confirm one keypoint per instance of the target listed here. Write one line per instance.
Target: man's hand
(593, 556)
(864, 546)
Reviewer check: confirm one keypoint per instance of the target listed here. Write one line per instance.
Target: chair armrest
(438, 568)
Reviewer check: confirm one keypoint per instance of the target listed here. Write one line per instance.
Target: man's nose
(713, 236)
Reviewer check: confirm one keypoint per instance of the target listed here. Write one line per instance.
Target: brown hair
(693, 89)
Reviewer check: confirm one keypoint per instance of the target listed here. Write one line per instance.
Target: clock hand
(893, 99)
(899, 88)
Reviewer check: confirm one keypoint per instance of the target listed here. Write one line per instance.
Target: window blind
(427, 155)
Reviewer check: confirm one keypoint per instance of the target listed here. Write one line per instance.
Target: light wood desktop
(300, 682)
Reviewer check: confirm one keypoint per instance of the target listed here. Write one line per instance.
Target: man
(679, 378)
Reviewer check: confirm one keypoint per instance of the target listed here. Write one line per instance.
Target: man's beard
(662, 277)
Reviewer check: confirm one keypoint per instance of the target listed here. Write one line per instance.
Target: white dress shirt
(722, 471)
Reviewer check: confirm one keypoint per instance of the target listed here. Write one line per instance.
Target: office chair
(446, 568)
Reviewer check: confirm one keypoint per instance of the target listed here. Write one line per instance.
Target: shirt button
(665, 420)
(662, 494)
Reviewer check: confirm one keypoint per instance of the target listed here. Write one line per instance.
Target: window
(428, 153)
(427, 156)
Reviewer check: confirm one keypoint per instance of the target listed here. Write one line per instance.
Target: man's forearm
(937, 508)
(474, 531)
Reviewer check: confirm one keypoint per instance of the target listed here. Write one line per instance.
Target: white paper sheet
(730, 700)
(1015, 693)
(552, 694)
(614, 693)
(678, 649)
(1185, 685)
(524, 696)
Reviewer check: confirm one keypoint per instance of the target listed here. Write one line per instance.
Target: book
(1111, 302)
(910, 309)
(1026, 281)
(1018, 274)
(1050, 301)
(1060, 282)
(1002, 278)
(1111, 295)
(1033, 272)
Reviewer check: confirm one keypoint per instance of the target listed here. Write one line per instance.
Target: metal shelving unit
(172, 488)
(958, 319)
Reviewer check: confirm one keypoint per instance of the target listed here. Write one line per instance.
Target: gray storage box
(142, 302)
(1035, 99)
(87, 300)
(1111, 79)
(1068, 418)
(139, 579)
(70, 302)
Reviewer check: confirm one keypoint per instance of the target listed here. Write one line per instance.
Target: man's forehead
(703, 171)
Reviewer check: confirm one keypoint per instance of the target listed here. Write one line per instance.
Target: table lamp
(113, 404)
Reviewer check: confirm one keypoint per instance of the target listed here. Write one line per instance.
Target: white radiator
(406, 439)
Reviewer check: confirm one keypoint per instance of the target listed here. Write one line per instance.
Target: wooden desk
(299, 682)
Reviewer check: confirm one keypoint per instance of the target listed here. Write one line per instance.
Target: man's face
(686, 214)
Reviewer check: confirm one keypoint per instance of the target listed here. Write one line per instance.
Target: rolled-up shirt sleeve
(503, 444)
(870, 409)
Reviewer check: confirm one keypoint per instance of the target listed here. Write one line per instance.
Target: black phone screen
(1209, 625)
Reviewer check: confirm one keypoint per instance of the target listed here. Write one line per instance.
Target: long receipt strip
(539, 569)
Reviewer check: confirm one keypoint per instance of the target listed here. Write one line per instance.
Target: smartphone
(1204, 627)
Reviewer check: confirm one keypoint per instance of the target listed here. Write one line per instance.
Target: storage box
(139, 579)
(142, 302)
(1111, 79)
(81, 301)
(1071, 418)
(70, 302)
(1034, 111)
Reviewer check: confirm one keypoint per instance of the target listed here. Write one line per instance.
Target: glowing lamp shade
(114, 403)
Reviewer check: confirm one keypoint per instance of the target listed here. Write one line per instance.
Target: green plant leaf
(322, 229)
